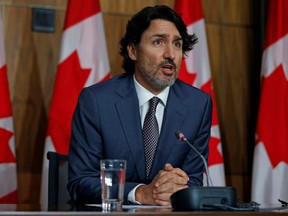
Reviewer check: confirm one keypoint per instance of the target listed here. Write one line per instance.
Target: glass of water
(113, 174)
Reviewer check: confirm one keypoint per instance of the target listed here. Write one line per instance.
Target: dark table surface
(67, 210)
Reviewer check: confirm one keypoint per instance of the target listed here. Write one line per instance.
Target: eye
(178, 44)
(157, 42)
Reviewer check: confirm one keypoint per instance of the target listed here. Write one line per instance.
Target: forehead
(160, 26)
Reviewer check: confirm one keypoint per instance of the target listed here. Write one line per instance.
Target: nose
(169, 52)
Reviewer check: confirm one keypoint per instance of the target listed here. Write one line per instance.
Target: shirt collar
(144, 95)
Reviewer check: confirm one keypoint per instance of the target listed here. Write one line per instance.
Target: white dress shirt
(143, 97)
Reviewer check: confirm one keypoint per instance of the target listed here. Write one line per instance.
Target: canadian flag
(8, 169)
(195, 70)
(83, 62)
(270, 166)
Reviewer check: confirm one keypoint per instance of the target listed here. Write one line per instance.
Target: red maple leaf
(6, 155)
(272, 125)
(185, 76)
(207, 87)
(70, 80)
(10, 198)
(215, 157)
(5, 108)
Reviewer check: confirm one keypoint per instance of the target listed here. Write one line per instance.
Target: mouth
(168, 69)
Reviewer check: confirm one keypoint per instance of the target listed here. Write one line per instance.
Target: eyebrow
(175, 37)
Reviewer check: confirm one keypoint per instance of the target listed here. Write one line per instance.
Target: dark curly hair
(141, 21)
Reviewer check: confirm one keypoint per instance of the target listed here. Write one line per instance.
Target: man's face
(158, 56)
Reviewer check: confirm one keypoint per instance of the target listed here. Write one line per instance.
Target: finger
(180, 172)
(163, 202)
(170, 177)
(168, 188)
(168, 167)
(164, 198)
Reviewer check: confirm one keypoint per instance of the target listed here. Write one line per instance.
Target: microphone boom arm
(181, 137)
(192, 198)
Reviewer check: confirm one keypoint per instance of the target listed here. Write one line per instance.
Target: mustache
(167, 61)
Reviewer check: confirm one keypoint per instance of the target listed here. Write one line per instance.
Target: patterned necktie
(150, 134)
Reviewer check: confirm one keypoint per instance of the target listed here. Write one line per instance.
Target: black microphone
(200, 198)
(181, 137)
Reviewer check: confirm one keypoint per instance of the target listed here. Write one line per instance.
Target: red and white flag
(270, 166)
(195, 70)
(8, 168)
(83, 62)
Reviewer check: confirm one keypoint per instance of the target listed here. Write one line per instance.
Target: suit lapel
(173, 120)
(128, 112)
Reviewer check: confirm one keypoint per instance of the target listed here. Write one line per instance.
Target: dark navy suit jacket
(106, 124)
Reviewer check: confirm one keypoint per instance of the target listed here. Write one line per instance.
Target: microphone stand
(199, 198)
(181, 137)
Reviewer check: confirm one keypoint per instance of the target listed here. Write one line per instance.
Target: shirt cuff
(131, 195)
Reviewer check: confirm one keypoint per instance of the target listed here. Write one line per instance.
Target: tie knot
(153, 102)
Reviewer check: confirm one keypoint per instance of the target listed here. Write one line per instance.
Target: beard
(152, 76)
(161, 83)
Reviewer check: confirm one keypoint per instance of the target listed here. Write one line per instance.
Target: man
(110, 116)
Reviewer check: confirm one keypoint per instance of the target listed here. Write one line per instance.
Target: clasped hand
(165, 183)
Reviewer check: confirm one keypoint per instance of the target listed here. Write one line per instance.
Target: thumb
(168, 167)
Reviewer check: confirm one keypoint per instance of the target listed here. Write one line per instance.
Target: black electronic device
(200, 198)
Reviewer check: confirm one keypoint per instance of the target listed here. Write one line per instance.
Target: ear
(132, 51)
